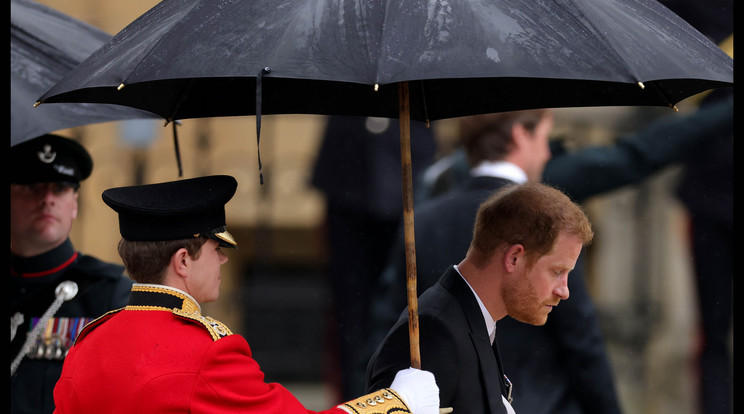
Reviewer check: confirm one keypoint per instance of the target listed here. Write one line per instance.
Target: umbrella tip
(641, 85)
(377, 87)
(37, 103)
(120, 87)
(674, 107)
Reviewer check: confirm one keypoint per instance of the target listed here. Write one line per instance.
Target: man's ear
(519, 134)
(181, 262)
(75, 208)
(512, 256)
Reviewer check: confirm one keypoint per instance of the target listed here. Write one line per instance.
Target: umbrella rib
(15, 34)
(182, 97)
(161, 39)
(582, 19)
(658, 90)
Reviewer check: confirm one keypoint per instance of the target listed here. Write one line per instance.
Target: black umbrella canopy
(408, 59)
(195, 58)
(44, 45)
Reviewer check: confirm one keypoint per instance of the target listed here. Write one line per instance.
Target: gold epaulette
(384, 401)
(216, 328)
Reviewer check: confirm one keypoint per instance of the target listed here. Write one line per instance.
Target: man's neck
(45, 263)
(26, 250)
(485, 284)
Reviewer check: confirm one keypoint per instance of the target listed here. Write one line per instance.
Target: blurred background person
(45, 175)
(706, 189)
(358, 169)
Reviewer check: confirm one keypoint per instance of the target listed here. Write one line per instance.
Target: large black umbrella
(44, 45)
(195, 58)
(407, 59)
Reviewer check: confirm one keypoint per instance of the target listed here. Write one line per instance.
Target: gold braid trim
(156, 298)
(216, 328)
(384, 401)
(188, 303)
(148, 308)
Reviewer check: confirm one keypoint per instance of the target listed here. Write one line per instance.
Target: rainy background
(274, 288)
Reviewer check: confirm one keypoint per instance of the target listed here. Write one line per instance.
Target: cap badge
(64, 170)
(47, 156)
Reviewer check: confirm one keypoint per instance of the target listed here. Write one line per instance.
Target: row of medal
(58, 336)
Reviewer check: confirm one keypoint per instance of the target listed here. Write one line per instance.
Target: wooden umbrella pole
(410, 242)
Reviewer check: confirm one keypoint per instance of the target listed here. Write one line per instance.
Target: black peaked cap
(49, 158)
(174, 210)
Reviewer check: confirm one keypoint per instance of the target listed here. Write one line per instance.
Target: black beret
(49, 158)
(174, 210)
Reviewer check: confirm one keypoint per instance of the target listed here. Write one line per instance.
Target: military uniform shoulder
(213, 327)
(216, 329)
(96, 323)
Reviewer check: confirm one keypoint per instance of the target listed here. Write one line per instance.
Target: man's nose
(562, 289)
(45, 192)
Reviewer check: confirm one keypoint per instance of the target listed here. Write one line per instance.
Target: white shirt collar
(491, 327)
(503, 169)
(490, 323)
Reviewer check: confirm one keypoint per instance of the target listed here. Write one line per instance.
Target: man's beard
(523, 304)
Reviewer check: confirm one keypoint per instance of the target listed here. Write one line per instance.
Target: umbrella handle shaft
(410, 242)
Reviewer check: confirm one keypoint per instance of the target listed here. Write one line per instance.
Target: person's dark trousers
(359, 245)
(712, 245)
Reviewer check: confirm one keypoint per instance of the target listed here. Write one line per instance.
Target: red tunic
(153, 357)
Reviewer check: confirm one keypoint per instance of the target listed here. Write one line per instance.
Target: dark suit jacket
(562, 367)
(454, 346)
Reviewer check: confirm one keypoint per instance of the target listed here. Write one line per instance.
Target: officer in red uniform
(159, 353)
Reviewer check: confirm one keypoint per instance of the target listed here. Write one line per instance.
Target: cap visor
(225, 239)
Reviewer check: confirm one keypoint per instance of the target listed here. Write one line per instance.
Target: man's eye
(42, 188)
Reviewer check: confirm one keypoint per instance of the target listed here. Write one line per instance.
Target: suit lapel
(490, 372)
(506, 385)
(490, 363)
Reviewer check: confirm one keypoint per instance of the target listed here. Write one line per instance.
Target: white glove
(418, 389)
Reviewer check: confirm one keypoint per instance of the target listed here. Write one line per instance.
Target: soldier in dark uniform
(45, 175)
(160, 353)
